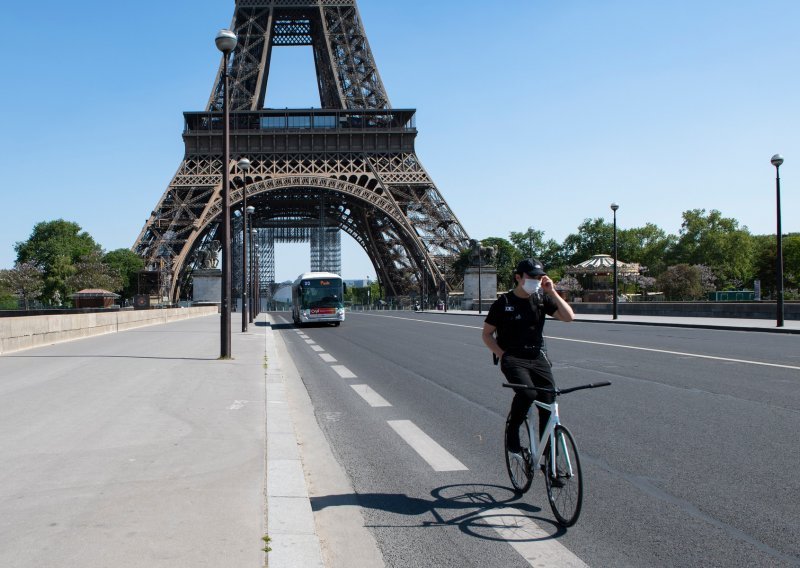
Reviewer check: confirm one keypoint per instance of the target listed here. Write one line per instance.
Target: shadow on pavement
(468, 506)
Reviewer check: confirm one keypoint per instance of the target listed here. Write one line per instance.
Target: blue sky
(530, 113)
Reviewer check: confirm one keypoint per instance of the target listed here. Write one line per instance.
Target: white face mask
(531, 286)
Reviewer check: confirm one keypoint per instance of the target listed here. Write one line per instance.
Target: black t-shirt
(520, 321)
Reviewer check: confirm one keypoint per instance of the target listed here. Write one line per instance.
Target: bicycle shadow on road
(477, 509)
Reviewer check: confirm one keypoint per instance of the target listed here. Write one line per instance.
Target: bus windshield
(320, 293)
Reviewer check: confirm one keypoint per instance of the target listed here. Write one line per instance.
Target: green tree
(718, 242)
(25, 281)
(8, 301)
(765, 263)
(594, 236)
(684, 282)
(91, 272)
(54, 247)
(126, 264)
(648, 245)
(531, 243)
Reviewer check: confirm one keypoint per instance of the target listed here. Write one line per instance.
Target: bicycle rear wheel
(565, 490)
(519, 466)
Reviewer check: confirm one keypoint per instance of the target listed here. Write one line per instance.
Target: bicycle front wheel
(564, 481)
(519, 466)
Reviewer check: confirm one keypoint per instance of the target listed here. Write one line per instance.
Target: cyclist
(513, 329)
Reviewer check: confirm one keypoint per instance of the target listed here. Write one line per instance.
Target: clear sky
(530, 113)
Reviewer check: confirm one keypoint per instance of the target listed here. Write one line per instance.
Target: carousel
(596, 276)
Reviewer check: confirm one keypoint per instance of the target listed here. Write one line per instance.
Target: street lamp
(776, 161)
(480, 277)
(614, 208)
(244, 166)
(251, 267)
(226, 43)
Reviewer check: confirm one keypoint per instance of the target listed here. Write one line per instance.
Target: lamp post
(226, 43)
(776, 161)
(368, 292)
(614, 208)
(480, 274)
(257, 279)
(251, 281)
(244, 165)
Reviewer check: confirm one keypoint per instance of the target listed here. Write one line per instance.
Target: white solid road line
(343, 371)
(680, 353)
(328, 358)
(427, 448)
(373, 399)
(532, 542)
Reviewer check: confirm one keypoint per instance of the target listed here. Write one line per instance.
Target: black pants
(531, 372)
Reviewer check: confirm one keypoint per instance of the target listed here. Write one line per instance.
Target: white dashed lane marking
(328, 358)
(343, 371)
(427, 448)
(317, 348)
(532, 542)
(310, 341)
(373, 399)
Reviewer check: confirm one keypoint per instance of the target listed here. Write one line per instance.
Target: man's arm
(490, 340)
(563, 310)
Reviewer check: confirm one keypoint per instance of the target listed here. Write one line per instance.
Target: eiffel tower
(347, 166)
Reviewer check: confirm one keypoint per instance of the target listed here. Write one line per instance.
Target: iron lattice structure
(348, 166)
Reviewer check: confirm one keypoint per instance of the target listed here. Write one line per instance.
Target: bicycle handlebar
(558, 391)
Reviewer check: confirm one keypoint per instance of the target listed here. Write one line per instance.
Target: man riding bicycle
(513, 330)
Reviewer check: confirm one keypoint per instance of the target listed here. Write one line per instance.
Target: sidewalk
(732, 324)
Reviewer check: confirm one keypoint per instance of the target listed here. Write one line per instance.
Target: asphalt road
(690, 458)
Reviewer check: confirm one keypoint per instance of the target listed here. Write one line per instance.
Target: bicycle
(562, 467)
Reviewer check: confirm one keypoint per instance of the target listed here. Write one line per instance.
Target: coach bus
(318, 297)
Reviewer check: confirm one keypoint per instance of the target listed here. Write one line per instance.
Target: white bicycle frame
(537, 446)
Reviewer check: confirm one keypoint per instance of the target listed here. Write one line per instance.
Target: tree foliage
(91, 272)
(718, 242)
(126, 264)
(684, 282)
(765, 262)
(55, 247)
(531, 244)
(25, 281)
(594, 236)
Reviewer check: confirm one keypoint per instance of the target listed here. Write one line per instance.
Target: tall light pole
(251, 281)
(614, 208)
(244, 166)
(226, 43)
(480, 278)
(776, 161)
(256, 279)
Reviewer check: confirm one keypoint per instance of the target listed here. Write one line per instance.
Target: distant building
(94, 298)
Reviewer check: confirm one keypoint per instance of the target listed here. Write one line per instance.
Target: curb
(699, 324)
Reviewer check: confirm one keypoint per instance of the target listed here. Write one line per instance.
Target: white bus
(318, 297)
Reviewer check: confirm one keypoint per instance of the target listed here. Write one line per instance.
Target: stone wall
(18, 333)
(746, 310)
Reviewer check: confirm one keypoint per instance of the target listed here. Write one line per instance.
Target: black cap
(531, 267)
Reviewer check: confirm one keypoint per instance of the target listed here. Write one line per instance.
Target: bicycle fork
(550, 431)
